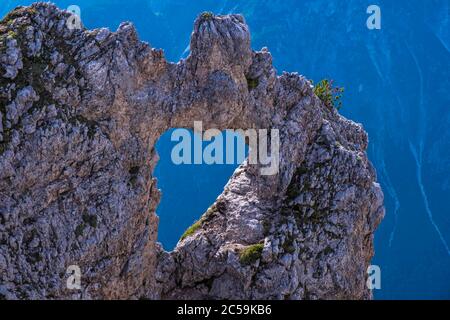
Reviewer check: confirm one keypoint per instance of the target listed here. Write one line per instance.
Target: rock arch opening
(189, 189)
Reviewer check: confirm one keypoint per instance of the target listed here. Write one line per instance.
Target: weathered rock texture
(80, 114)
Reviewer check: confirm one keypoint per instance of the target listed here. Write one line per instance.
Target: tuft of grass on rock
(251, 254)
(191, 230)
(206, 217)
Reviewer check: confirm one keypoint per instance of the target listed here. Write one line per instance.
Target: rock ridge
(80, 113)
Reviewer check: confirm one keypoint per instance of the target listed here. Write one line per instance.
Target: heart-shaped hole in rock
(188, 190)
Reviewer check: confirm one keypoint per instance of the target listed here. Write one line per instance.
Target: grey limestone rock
(81, 111)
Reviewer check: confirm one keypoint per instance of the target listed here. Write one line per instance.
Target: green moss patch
(206, 217)
(251, 254)
(90, 219)
(191, 230)
(252, 83)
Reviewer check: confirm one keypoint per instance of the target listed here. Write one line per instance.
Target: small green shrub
(251, 253)
(207, 15)
(331, 96)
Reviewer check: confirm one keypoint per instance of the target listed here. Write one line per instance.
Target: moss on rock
(251, 254)
(252, 83)
(191, 230)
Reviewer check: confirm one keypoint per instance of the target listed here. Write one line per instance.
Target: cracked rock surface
(80, 113)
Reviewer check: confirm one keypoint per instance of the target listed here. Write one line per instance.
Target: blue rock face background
(397, 83)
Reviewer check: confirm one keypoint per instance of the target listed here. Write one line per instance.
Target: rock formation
(80, 113)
